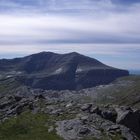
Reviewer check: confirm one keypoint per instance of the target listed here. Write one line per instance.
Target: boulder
(5, 104)
(18, 98)
(129, 118)
(95, 110)
(86, 107)
(40, 96)
(94, 126)
(84, 131)
(57, 112)
(84, 119)
(109, 115)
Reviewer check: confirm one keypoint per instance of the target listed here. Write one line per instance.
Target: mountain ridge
(48, 70)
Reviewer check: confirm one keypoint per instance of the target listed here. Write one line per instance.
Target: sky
(108, 30)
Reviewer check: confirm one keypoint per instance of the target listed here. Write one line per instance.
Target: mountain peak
(50, 70)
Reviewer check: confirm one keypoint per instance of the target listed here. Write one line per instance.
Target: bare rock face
(49, 70)
(121, 115)
(130, 118)
(95, 126)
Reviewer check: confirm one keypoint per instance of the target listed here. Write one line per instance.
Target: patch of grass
(8, 85)
(28, 126)
(123, 91)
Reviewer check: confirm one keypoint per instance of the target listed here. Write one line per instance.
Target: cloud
(61, 6)
(117, 28)
(104, 28)
(96, 21)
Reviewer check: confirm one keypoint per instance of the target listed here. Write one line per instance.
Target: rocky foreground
(72, 120)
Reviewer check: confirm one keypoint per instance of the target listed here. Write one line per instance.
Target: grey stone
(84, 131)
(95, 110)
(130, 119)
(86, 107)
(109, 115)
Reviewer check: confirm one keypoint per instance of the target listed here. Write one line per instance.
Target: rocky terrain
(27, 113)
(47, 70)
(72, 120)
(108, 111)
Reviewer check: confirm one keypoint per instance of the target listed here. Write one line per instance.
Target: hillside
(97, 113)
(47, 70)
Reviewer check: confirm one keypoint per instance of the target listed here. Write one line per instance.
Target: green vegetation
(8, 85)
(124, 91)
(28, 126)
(128, 95)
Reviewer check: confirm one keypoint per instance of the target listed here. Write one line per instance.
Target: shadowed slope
(49, 70)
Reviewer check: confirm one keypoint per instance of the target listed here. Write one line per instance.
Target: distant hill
(48, 70)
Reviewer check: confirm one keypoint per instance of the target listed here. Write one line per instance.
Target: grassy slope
(124, 91)
(8, 85)
(28, 126)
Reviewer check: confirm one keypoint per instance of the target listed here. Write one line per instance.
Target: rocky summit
(47, 70)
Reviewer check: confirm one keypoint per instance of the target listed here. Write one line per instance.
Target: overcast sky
(108, 30)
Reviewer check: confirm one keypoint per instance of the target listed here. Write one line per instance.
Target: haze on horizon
(108, 30)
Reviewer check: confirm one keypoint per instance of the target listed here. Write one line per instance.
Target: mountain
(48, 70)
(29, 111)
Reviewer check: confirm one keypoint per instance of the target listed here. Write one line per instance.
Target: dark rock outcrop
(94, 126)
(86, 107)
(49, 70)
(122, 115)
(129, 118)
